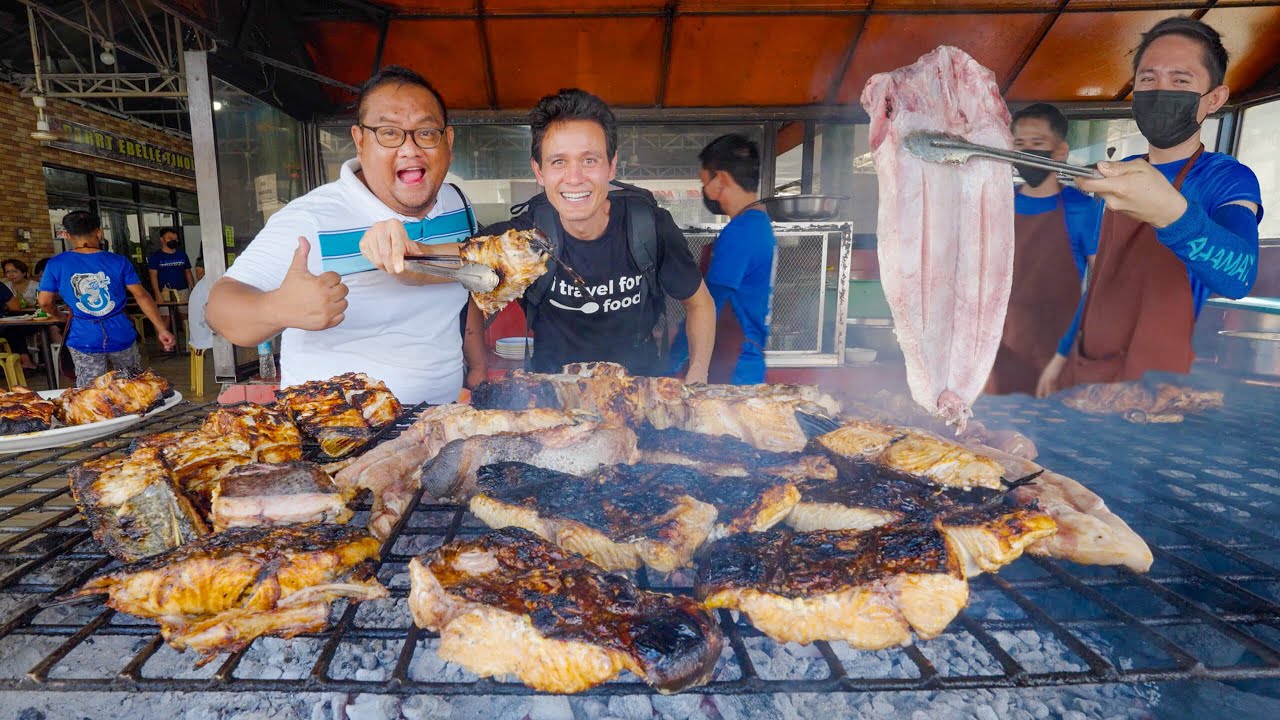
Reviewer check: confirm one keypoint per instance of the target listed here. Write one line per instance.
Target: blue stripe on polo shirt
(340, 249)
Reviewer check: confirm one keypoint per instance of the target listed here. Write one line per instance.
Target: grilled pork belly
(23, 411)
(277, 494)
(510, 602)
(914, 453)
(869, 589)
(616, 526)
(216, 594)
(342, 413)
(391, 470)
(115, 394)
(132, 505)
(518, 256)
(575, 449)
(725, 455)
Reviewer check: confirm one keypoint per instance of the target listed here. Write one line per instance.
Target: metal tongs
(950, 149)
(473, 276)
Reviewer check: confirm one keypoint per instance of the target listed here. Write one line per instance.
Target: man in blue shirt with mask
(740, 272)
(1180, 223)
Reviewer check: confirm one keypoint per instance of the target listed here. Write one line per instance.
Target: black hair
(735, 155)
(1215, 55)
(22, 267)
(398, 75)
(572, 104)
(79, 223)
(166, 230)
(39, 269)
(1046, 112)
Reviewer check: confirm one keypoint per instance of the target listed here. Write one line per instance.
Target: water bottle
(266, 361)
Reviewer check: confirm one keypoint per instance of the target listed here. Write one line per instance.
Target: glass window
(114, 189)
(153, 221)
(67, 181)
(842, 166)
(664, 160)
(151, 195)
(337, 147)
(1260, 150)
(491, 165)
(1096, 140)
(188, 202)
(120, 232)
(59, 206)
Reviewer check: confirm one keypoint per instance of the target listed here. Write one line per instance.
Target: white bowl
(859, 355)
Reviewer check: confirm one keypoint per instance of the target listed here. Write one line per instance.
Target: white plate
(513, 342)
(75, 434)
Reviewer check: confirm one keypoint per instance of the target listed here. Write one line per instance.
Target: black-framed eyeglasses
(390, 136)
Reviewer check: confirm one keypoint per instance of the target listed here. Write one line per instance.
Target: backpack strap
(466, 205)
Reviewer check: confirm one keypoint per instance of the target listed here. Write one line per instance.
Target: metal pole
(204, 148)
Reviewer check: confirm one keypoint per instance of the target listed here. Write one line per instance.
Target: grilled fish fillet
(391, 470)
(616, 526)
(277, 494)
(915, 453)
(1088, 532)
(725, 455)
(988, 537)
(510, 602)
(112, 395)
(23, 411)
(341, 413)
(518, 256)
(901, 410)
(869, 589)
(219, 592)
(132, 505)
(575, 449)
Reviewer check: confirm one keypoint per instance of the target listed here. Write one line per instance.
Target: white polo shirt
(408, 337)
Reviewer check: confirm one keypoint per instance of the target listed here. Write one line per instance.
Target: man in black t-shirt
(612, 313)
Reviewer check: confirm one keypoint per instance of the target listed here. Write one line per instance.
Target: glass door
(120, 232)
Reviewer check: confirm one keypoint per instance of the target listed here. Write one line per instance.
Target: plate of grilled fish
(53, 418)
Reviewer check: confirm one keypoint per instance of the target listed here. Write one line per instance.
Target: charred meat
(869, 589)
(277, 494)
(342, 413)
(726, 455)
(1141, 402)
(576, 449)
(23, 411)
(510, 602)
(518, 257)
(618, 527)
(132, 505)
(219, 592)
(115, 394)
(914, 453)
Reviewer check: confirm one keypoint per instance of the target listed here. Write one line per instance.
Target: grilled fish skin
(510, 602)
(616, 526)
(869, 589)
(341, 413)
(112, 395)
(575, 449)
(219, 592)
(24, 411)
(519, 257)
(132, 505)
(725, 455)
(915, 453)
(277, 494)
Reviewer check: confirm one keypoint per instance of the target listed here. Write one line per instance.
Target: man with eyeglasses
(322, 272)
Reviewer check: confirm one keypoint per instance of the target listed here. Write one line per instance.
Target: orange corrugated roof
(724, 53)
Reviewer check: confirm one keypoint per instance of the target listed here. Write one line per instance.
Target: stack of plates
(512, 348)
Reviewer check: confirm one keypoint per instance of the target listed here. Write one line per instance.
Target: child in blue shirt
(93, 284)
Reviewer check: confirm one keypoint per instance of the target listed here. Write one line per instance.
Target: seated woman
(16, 336)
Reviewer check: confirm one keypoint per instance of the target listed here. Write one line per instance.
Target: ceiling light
(108, 55)
(217, 105)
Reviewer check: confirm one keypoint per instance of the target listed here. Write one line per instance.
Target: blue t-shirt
(171, 268)
(94, 286)
(1083, 215)
(741, 272)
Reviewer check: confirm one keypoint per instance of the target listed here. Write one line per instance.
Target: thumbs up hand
(312, 302)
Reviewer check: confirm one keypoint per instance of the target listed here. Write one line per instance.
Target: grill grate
(1210, 609)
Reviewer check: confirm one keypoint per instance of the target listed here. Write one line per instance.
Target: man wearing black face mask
(1181, 223)
(738, 266)
(1055, 231)
(170, 269)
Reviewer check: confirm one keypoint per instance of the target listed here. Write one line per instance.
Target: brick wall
(23, 203)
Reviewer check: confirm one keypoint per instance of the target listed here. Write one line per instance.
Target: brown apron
(1042, 301)
(1138, 311)
(729, 335)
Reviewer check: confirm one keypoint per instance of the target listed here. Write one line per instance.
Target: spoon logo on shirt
(618, 293)
(93, 295)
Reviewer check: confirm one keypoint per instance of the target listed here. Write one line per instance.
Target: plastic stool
(197, 372)
(12, 363)
(4, 346)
